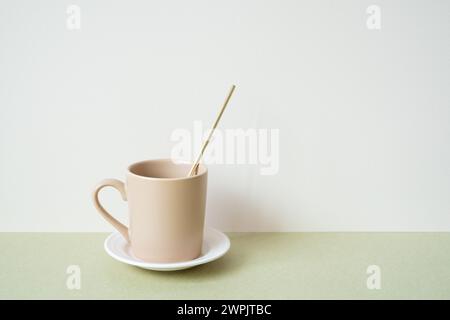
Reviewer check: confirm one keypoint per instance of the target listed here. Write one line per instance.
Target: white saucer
(215, 245)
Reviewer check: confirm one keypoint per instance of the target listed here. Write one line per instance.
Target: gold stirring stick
(194, 167)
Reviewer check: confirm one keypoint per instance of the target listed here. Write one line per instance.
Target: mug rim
(201, 165)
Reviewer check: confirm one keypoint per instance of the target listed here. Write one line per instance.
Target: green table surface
(258, 266)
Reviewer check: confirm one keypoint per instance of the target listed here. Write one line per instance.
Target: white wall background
(364, 116)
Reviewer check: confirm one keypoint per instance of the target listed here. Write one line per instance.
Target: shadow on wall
(233, 211)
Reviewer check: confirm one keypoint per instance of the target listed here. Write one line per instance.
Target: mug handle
(120, 186)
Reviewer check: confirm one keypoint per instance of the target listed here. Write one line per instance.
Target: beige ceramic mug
(166, 210)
